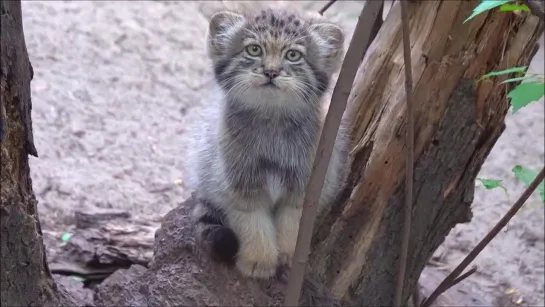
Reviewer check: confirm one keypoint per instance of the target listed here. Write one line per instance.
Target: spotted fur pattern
(252, 154)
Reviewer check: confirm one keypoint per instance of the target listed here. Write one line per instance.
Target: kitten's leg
(287, 218)
(258, 254)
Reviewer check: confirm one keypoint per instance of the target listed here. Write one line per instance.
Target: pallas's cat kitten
(250, 157)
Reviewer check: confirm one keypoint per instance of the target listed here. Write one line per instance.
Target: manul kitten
(251, 155)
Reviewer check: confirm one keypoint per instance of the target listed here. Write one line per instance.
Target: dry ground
(116, 82)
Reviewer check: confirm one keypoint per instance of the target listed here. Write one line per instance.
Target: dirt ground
(116, 82)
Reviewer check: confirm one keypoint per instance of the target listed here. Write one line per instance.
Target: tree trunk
(457, 121)
(25, 277)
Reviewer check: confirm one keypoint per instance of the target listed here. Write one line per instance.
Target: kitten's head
(273, 58)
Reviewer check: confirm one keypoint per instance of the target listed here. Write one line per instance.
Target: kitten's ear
(221, 29)
(328, 40)
(221, 22)
(329, 35)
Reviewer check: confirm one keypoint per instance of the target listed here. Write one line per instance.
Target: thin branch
(452, 277)
(409, 154)
(535, 8)
(472, 271)
(377, 25)
(323, 9)
(361, 39)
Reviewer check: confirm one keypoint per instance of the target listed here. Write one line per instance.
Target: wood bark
(457, 121)
(25, 277)
(102, 242)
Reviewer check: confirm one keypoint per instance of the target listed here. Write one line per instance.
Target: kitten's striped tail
(219, 240)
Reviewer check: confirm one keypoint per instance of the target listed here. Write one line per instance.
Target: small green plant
(524, 93)
(505, 6)
(509, 7)
(531, 88)
(527, 175)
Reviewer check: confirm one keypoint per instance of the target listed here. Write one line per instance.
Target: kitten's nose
(271, 73)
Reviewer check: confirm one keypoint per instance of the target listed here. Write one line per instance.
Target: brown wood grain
(356, 248)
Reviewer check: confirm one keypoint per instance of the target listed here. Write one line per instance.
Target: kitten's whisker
(305, 90)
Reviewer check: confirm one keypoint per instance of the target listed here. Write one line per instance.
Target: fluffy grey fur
(252, 154)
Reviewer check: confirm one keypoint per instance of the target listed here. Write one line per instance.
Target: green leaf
(65, 237)
(527, 175)
(504, 72)
(519, 79)
(485, 6)
(514, 7)
(525, 93)
(490, 184)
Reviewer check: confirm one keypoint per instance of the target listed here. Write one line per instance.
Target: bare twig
(377, 25)
(472, 271)
(361, 39)
(323, 9)
(453, 276)
(535, 8)
(409, 154)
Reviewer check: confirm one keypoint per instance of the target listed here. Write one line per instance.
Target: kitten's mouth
(269, 84)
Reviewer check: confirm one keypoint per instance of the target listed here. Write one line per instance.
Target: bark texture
(457, 121)
(25, 277)
(181, 274)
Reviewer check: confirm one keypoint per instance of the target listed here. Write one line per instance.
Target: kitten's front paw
(286, 245)
(287, 225)
(258, 265)
(285, 259)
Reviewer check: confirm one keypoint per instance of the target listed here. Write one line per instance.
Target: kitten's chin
(270, 93)
(269, 97)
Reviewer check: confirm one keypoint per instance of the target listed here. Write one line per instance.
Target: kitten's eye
(253, 50)
(294, 55)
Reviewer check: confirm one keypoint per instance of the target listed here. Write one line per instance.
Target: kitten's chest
(278, 153)
(286, 160)
(284, 147)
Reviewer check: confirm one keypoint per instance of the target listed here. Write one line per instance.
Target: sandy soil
(116, 82)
